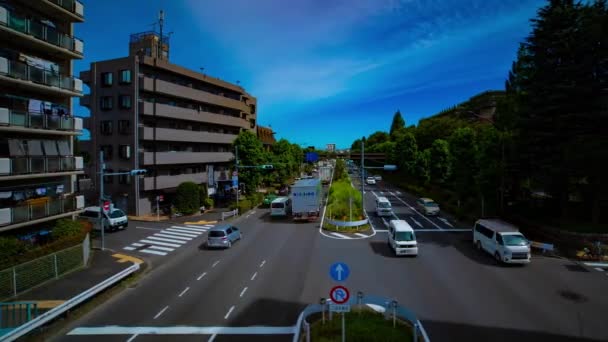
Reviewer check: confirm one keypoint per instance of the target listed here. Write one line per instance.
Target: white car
(378, 177)
(427, 206)
(370, 180)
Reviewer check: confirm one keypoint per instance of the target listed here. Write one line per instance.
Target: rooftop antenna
(161, 20)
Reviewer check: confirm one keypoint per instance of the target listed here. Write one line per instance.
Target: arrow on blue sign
(339, 271)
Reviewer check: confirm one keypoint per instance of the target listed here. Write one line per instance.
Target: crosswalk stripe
(149, 251)
(167, 240)
(198, 230)
(178, 238)
(361, 235)
(599, 269)
(200, 226)
(129, 248)
(160, 243)
(137, 244)
(179, 233)
(341, 236)
(162, 248)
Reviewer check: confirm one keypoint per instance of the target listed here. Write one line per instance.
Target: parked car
(427, 206)
(370, 180)
(223, 236)
(378, 177)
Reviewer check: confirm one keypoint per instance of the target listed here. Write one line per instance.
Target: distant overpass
(377, 156)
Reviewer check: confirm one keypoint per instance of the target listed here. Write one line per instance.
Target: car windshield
(384, 205)
(117, 213)
(216, 233)
(278, 205)
(404, 236)
(515, 240)
(431, 205)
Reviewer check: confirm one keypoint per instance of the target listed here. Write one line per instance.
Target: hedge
(187, 198)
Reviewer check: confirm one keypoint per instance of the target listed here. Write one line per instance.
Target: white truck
(306, 197)
(325, 174)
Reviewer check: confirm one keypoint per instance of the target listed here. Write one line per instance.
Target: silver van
(114, 220)
(223, 236)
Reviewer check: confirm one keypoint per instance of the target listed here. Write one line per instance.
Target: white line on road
(166, 240)
(184, 330)
(149, 251)
(212, 338)
(397, 192)
(205, 228)
(129, 248)
(445, 221)
(177, 238)
(161, 312)
(201, 276)
(243, 292)
(254, 275)
(382, 230)
(373, 193)
(361, 235)
(340, 235)
(162, 248)
(185, 290)
(253, 212)
(229, 312)
(180, 233)
(193, 230)
(138, 227)
(215, 264)
(262, 264)
(132, 338)
(137, 244)
(596, 264)
(416, 222)
(443, 230)
(599, 269)
(159, 243)
(416, 211)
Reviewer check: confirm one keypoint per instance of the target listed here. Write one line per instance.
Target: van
(501, 240)
(401, 238)
(383, 207)
(116, 219)
(280, 207)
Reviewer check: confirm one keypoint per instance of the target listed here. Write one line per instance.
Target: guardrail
(227, 214)
(53, 313)
(419, 334)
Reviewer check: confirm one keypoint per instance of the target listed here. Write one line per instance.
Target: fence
(228, 214)
(23, 277)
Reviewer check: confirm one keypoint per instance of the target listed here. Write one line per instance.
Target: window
(229, 231)
(148, 52)
(516, 240)
(106, 102)
(106, 127)
(107, 151)
(124, 101)
(124, 152)
(216, 233)
(125, 76)
(499, 239)
(108, 179)
(106, 79)
(404, 236)
(123, 126)
(124, 179)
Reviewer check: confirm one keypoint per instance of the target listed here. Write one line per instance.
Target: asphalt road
(279, 267)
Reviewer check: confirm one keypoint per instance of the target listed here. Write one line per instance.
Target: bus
(280, 207)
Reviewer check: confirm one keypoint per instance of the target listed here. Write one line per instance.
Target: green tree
(423, 166)
(187, 198)
(463, 150)
(356, 146)
(251, 152)
(397, 124)
(440, 161)
(375, 139)
(431, 129)
(406, 152)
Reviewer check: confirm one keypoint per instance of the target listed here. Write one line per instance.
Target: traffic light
(267, 167)
(138, 172)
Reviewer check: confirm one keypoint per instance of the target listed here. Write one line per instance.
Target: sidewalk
(213, 215)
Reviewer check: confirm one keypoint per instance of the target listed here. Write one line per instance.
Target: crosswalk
(169, 239)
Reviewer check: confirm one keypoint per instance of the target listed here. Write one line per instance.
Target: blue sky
(328, 71)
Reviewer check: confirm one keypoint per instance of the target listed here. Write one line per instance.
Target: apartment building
(266, 136)
(38, 169)
(147, 113)
(330, 148)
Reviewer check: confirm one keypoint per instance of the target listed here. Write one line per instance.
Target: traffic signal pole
(101, 225)
(236, 168)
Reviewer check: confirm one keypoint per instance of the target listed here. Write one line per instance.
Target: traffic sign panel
(339, 307)
(339, 294)
(339, 271)
(235, 173)
(106, 206)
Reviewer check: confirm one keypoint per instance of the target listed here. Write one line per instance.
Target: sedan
(223, 236)
(370, 180)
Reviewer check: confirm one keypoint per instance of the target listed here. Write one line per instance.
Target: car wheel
(478, 245)
(497, 257)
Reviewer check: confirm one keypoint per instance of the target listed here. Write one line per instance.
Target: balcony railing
(40, 209)
(16, 118)
(26, 72)
(73, 6)
(32, 165)
(40, 31)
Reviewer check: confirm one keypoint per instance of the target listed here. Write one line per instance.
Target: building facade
(38, 169)
(331, 147)
(266, 136)
(147, 113)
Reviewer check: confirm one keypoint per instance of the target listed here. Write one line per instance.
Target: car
(223, 236)
(378, 177)
(114, 220)
(427, 206)
(370, 180)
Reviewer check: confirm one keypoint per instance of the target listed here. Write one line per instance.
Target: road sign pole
(236, 168)
(101, 167)
(343, 329)
(157, 208)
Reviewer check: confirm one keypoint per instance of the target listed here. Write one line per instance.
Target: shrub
(66, 228)
(10, 247)
(203, 195)
(187, 198)
(244, 205)
(208, 202)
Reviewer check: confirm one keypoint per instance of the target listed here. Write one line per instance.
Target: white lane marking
(198, 230)
(199, 227)
(201, 276)
(599, 269)
(166, 240)
(229, 312)
(254, 275)
(262, 264)
(160, 243)
(148, 228)
(137, 244)
(382, 230)
(361, 235)
(373, 193)
(445, 221)
(340, 235)
(215, 263)
(185, 290)
(149, 251)
(174, 233)
(162, 248)
(243, 292)
(177, 238)
(161, 312)
(183, 232)
(253, 212)
(384, 220)
(443, 230)
(596, 264)
(129, 248)
(132, 338)
(184, 330)
(212, 338)
(397, 192)
(416, 211)
(416, 222)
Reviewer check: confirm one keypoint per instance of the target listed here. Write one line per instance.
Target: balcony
(38, 123)
(48, 82)
(169, 134)
(34, 34)
(36, 167)
(190, 93)
(168, 158)
(66, 10)
(39, 210)
(167, 182)
(174, 112)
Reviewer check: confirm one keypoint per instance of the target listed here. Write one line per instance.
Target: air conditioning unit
(3, 15)
(78, 124)
(77, 84)
(5, 166)
(78, 46)
(78, 163)
(80, 202)
(5, 117)
(3, 65)
(5, 216)
(78, 8)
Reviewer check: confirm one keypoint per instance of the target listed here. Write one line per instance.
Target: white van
(114, 220)
(401, 238)
(502, 240)
(280, 207)
(383, 207)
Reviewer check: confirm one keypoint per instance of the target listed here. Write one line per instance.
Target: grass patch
(361, 326)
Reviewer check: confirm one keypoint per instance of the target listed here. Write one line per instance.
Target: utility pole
(363, 169)
(161, 19)
(236, 168)
(101, 225)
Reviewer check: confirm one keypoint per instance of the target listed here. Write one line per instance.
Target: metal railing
(34, 211)
(29, 165)
(42, 31)
(39, 120)
(73, 6)
(227, 214)
(15, 314)
(26, 72)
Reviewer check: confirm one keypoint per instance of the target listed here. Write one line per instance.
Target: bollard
(394, 305)
(360, 301)
(322, 301)
(415, 339)
(307, 327)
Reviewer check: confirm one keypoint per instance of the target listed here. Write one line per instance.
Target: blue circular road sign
(339, 271)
